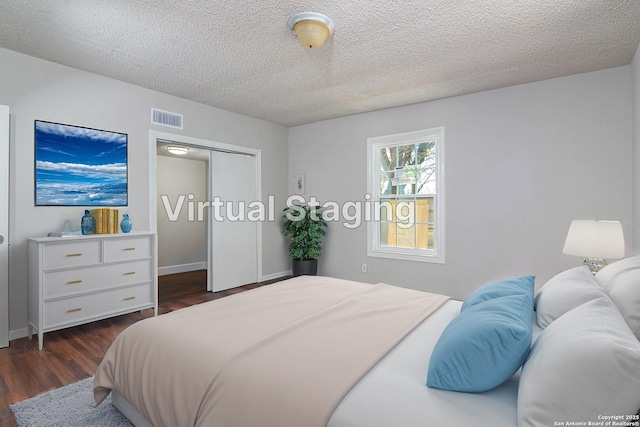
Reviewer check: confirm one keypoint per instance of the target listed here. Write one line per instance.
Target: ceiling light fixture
(180, 151)
(311, 28)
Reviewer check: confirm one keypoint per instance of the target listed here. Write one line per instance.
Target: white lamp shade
(595, 239)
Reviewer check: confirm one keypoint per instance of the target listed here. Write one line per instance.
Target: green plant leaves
(305, 226)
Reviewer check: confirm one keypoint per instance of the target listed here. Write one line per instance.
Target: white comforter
(281, 355)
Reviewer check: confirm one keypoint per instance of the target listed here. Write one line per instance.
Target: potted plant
(305, 226)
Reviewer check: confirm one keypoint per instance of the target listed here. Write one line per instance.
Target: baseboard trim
(181, 268)
(278, 275)
(18, 333)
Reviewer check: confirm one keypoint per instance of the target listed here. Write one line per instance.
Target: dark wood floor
(72, 354)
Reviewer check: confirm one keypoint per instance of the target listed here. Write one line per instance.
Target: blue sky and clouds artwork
(77, 166)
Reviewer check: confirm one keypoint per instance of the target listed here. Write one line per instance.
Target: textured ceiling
(242, 57)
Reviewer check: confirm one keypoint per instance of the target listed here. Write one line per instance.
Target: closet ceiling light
(180, 151)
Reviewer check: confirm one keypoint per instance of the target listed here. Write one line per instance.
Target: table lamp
(595, 240)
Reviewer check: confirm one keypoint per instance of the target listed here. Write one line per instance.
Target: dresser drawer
(82, 307)
(82, 279)
(79, 280)
(71, 254)
(127, 248)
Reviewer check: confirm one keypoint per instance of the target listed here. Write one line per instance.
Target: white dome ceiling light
(311, 28)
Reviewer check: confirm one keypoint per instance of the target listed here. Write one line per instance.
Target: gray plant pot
(304, 268)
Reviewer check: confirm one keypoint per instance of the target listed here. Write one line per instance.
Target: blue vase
(125, 224)
(88, 223)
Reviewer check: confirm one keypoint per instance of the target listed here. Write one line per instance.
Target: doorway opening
(182, 172)
(200, 249)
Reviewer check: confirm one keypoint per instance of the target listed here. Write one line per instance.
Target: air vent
(165, 118)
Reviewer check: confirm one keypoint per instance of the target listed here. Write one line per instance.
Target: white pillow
(564, 292)
(622, 281)
(607, 273)
(585, 364)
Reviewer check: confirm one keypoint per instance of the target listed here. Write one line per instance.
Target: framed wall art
(79, 166)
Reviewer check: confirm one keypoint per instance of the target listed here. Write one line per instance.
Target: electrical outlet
(364, 268)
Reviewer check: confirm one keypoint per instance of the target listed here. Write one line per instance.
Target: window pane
(386, 210)
(422, 210)
(426, 154)
(388, 234)
(389, 158)
(426, 181)
(405, 179)
(406, 155)
(405, 212)
(432, 210)
(424, 235)
(407, 237)
(385, 183)
(404, 176)
(386, 157)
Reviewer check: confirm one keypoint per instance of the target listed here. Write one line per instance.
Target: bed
(379, 355)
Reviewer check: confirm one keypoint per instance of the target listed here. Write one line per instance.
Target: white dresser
(76, 280)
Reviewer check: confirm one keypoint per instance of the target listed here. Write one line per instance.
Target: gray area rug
(68, 406)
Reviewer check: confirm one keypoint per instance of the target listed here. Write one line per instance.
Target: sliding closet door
(233, 240)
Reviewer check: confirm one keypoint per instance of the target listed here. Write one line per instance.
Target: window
(406, 182)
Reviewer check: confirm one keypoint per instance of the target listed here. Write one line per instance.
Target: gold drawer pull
(74, 282)
(78, 254)
(73, 310)
(129, 249)
(128, 273)
(129, 298)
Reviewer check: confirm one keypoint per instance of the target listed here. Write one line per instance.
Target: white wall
(635, 75)
(181, 243)
(37, 89)
(521, 163)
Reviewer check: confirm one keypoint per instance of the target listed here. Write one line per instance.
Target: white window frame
(374, 248)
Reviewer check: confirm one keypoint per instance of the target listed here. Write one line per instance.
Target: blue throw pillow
(487, 343)
(500, 288)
